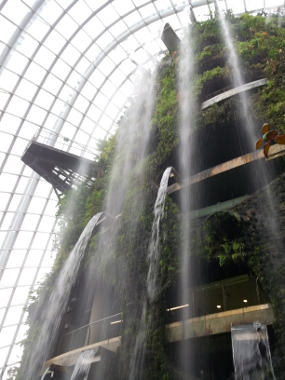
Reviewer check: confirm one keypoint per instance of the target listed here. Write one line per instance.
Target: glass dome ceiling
(67, 72)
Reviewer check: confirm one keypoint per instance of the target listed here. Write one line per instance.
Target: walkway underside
(212, 324)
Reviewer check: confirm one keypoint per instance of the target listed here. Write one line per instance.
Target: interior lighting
(245, 301)
(113, 323)
(219, 306)
(178, 307)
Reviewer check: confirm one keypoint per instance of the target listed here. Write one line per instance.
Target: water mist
(50, 316)
(187, 114)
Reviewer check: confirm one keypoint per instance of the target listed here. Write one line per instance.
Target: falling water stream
(251, 352)
(153, 267)
(186, 153)
(82, 365)
(51, 315)
(153, 251)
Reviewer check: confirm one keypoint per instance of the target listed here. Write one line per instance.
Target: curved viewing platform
(234, 91)
(211, 324)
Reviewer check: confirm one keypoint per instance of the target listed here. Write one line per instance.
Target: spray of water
(51, 316)
(82, 365)
(153, 268)
(251, 352)
(187, 113)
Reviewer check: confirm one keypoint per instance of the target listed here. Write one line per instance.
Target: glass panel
(16, 259)
(17, 106)
(36, 205)
(94, 27)
(16, 62)
(35, 73)
(44, 99)
(66, 27)
(16, 354)
(13, 315)
(36, 115)
(3, 355)
(22, 185)
(88, 90)
(37, 28)
(15, 11)
(13, 165)
(83, 66)
(7, 182)
(108, 15)
(46, 224)
(52, 84)
(27, 276)
(74, 79)
(28, 131)
(43, 189)
(7, 221)
(6, 334)
(105, 40)
(23, 240)
(8, 80)
(80, 12)
(20, 295)
(4, 96)
(40, 240)
(81, 41)
(123, 7)
(9, 277)
(132, 19)
(19, 146)
(51, 208)
(55, 42)
(50, 11)
(30, 222)
(4, 295)
(14, 203)
(7, 29)
(97, 78)
(44, 57)
(61, 69)
(74, 117)
(26, 89)
(34, 258)
(70, 55)
(22, 332)
(81, 103)
(4, 198)
(147, 11)
(26, 44)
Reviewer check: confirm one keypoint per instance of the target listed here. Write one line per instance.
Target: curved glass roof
(67, 72)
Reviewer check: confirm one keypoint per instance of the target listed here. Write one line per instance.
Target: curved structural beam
(234, 91)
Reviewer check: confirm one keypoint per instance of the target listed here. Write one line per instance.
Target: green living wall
(260, 45)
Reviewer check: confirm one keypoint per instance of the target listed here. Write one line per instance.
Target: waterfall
(186, 152)
(82, 365)
(251, 352)
(50, 316)
(153, 268)
(153, 251)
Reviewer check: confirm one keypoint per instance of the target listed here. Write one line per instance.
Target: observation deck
(61, 168)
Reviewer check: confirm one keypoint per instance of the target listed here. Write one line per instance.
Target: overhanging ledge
(218, 323)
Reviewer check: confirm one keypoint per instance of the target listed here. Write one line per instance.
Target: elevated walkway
(212, 324)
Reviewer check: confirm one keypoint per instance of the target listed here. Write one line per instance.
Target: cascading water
(153, 253)
(153, 267)
(251, 352)
(82, 365)
(49, 318)
(186, 151)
